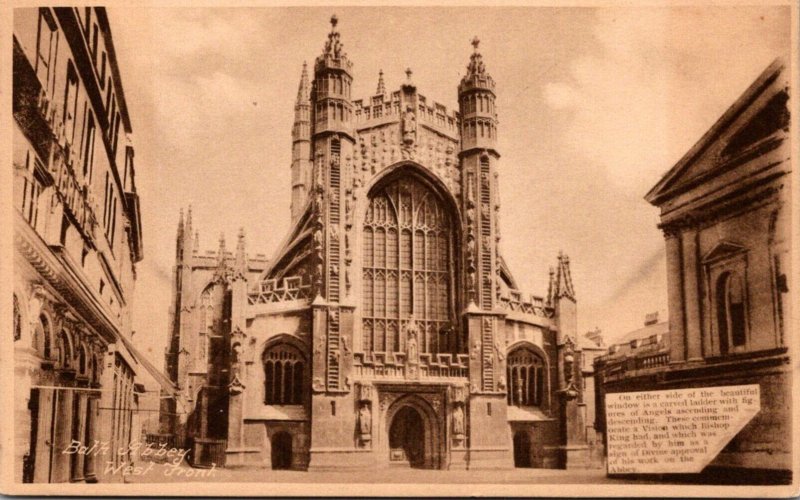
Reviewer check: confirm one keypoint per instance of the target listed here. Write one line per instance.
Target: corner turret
(481, 200)
(476, 99)
(333, 79)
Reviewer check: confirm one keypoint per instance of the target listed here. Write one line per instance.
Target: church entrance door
(282, 450)
(407, 438)
(522, 449)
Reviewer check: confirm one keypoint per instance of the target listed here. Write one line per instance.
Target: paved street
(183, 473)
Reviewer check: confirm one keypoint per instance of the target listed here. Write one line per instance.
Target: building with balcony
(77, 239)
(387, 329)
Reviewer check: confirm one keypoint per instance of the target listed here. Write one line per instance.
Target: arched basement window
(525, 372)
(407, 268)
(283, 375)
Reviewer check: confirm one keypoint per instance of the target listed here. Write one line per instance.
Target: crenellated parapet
(273, 291)
(381, 108)
(533, 305)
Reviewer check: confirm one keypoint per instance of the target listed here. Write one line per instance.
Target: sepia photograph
(400, 249)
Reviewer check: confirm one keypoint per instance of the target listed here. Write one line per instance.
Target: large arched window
(730, 305)
(64, 348)
(42, 336)
(283, 375)
(407, 268)
(525, 378)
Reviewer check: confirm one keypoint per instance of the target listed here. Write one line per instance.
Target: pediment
(749, 125)
(723, 250)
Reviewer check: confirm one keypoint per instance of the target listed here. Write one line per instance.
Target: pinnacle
(303, 88)
(381, 85)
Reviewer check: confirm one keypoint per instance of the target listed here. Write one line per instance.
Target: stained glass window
(525, 378)
(407, 267)
(283, 375)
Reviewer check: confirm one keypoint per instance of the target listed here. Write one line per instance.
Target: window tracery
(407, 268)
(283, 375)
(525, 378)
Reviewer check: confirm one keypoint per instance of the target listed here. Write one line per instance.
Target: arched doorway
(407, 438)
(281, 450)
(522, 449)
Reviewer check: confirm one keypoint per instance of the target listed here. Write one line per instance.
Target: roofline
(657, 193)
(102, 19)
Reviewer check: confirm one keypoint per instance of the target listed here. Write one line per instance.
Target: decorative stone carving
(458, 420)
(569, 359)
(365, 422)
(458, 393)
(386, 400)
(499, 351)
(409, 127)
(36, 302)
(412, 349)
(366, 393)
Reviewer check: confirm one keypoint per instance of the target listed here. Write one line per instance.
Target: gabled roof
(679, 175)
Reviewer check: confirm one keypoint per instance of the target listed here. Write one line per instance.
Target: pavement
(167, 473)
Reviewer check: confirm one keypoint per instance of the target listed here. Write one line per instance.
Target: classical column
(694, 318)
(91, 414)
(677, 334)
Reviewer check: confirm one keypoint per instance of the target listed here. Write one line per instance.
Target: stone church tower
(387, 328)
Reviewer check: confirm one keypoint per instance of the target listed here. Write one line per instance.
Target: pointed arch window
(284, 375)
(207, 309)
(407, 268)
(526, 378)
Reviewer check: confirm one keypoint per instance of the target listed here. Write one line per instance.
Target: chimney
(651, 318)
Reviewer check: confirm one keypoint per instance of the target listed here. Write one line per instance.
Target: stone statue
(411, 341)
(364, 420)
(458, 420)
(409, 126)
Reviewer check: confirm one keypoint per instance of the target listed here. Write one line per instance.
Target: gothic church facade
(387, 329)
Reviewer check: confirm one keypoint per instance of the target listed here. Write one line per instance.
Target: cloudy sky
(594, 105)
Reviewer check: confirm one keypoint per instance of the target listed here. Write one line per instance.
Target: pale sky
(594, 105)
